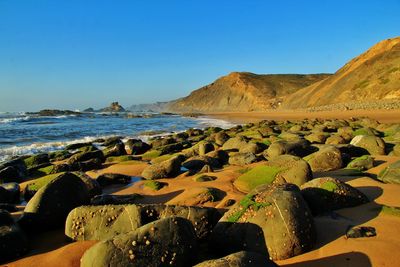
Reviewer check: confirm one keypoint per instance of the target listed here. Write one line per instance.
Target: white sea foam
(207, 122)
(8, 152)
(14, 119)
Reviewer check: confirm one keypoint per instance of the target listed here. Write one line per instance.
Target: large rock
(240, 259)
(326, 194)
(91, 184)
(10, 193)
(85, 156)
(137, 146)
(49, 207)
(282, 169)
(220, 138)
(299, 148)
(335, 140)
(316, 138)
(197, 196)
(37, 160)
(373, 144)
(165, 169)
(235, 143)
(328, 158)
(106, 179)
(169, 241)
(13, 171)
(205, 147)
(361, 163)
(391, 174)
(103, 222)
(116, 149)
(13, 241)
(198, 162)
(272, 220)
(242, 158)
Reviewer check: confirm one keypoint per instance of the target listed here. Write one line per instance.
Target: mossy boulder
(282, 169)
(59, 155)
(373, 144)
(346, 132)
(106, 179)
(151, 154)
(104, 222)
(33, 186)
(117, 159)
(204, 178)
(169, 241)
(335, 140)
(242, 158)
(391, 174)
(13, 241)
(198, 162)
(205, 147)
(289, 136)
(328, 158)
(395, 151)
(137, 146)
(77, 146)
(197, 196)
(257, 176)
(235, 143)
(365, 131)
(220, 138)
(115, 149)
(166, 169)
(240, 259)
(154, 185)
(49, 207)
(317, 138)
(37, 160)
(272, 220)
(362, 163)
(326, 194)
(298, 148)
(85, 156)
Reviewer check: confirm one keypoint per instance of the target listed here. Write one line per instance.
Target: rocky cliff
(244, 91)
(373, 75)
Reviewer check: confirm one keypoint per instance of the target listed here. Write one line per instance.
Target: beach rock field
(311, 192)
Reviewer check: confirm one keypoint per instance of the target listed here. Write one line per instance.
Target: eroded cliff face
(373, 75)
(244, 91)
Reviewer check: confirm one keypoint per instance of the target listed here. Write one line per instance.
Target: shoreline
(383, 116)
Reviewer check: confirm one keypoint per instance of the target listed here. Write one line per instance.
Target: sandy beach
(383, 116)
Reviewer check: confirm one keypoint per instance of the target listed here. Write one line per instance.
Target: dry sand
(384, 116)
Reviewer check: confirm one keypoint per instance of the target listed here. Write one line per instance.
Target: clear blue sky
(77, 54)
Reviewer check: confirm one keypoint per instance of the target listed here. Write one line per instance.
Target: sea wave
(42, 147)
(14, 119)
(207, 122)
(10, 120)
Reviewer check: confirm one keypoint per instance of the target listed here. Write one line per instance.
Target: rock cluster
(274, 220)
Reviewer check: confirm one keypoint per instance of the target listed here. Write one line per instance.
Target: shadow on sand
(351, 259)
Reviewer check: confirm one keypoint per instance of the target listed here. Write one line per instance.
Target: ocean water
(21, 133)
